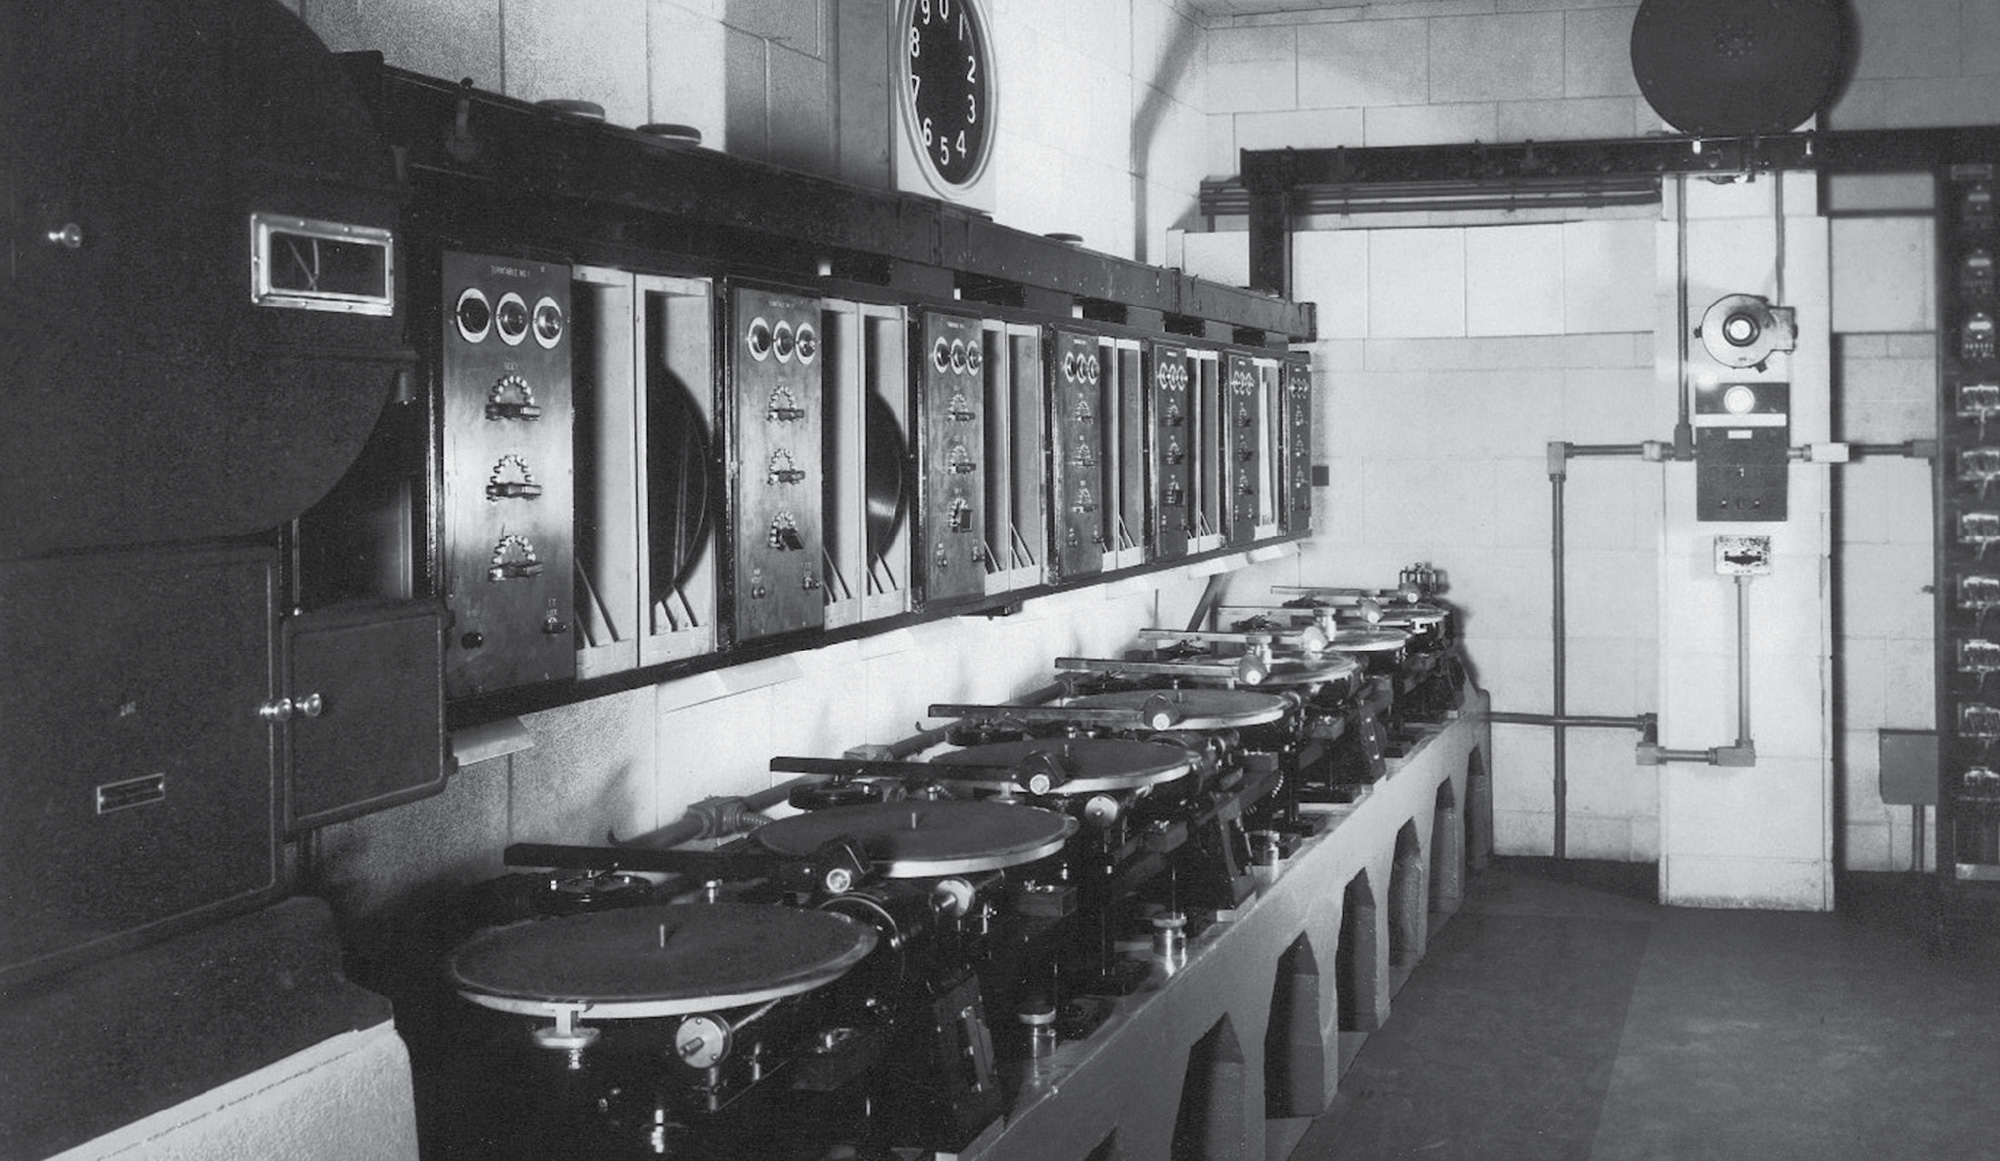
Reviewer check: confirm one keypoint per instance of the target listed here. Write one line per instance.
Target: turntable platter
(1419, 616)
(641, 962)
(1199, 709)
(1368, 641)
(1332, 666)
(1092, 764)
(915, 839)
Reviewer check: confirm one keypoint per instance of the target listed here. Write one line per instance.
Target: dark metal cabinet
(360, 719)
(136, 796)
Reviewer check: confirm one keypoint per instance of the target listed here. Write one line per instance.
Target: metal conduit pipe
(1743, 661)
(1644, 723)
(1561, 720)
(1559, 628)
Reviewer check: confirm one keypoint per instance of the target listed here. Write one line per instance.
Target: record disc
(679, 494)
(883, 475)
(640, 962)
(1092, 764)
(1401, 616)
(1370, 640)
(914, 839)
(1329, 666)
(1199, 709)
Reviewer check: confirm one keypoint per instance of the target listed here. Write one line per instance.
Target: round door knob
(69, 236)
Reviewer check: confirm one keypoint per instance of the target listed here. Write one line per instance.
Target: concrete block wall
(1453, 357)
(1422, 73)
(1102, 128)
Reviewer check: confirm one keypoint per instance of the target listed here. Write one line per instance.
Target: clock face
(948, 89)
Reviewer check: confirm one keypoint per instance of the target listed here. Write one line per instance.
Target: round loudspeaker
(1738, 66)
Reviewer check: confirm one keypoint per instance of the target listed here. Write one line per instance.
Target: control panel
(951, 508)
(1242, 446)
(1295, 449)
(1076, 451)
(1741, 408)
(1742, 450)
(505, 410)
(1968, 513)
(1170, 451)
(775, 497)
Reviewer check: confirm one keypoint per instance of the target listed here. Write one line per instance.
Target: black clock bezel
(982, 39)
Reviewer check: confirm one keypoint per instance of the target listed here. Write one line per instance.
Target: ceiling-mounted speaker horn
(1724, 67)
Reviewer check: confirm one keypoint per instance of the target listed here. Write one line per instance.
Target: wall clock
(944, 68)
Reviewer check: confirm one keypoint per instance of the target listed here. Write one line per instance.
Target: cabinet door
(364, 724)
(136, 794)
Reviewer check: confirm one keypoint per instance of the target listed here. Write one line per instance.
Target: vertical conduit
(1558, 472)
(1743, 661)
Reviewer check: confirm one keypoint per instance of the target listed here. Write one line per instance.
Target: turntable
(1203, 668)
(1190, 709)
(1087, 765)
(645, 962)
(915, 839)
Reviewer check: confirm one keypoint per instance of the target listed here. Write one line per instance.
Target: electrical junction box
(1743, 555)
(1742, 450)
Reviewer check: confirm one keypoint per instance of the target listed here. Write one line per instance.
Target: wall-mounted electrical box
(1742, 450)
(1743, 556)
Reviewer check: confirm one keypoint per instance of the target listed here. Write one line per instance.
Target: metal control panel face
(776, 486)
(951, 507)
(1170, 453)
(505, 408)
(1242, 447)
(1295, 509)
(1076, 452)
(1967, 512)
(1742, 450)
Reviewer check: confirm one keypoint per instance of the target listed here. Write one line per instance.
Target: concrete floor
(1563, 1015)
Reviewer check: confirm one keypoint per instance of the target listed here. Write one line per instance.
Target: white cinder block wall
(1396, 386)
